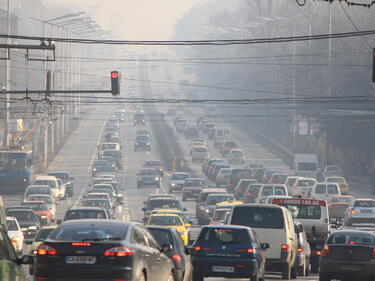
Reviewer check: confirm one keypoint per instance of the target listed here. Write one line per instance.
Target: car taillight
(176, 258)
(299, 250)
(352, 211)
(284, 247)
(81, 244)
(373, 253)
(118, 251)
(199, 248)
(44, 250)
(246, 251)
(325, 252)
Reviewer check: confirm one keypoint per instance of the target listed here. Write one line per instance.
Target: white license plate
(350, 267)
(80, 259)
(220, 268)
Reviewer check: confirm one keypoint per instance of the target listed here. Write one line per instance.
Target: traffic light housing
(373, 65)
(115, 84)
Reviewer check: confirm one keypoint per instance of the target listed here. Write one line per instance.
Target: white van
(236, 156)
(51, 181)
(270, 190)
(306, 165)
(274, 225)
(199, 153)
(323, 191)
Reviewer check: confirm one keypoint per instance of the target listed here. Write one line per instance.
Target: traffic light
(373, 66)
(115, 85)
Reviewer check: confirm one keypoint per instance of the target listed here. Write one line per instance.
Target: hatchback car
(15, 234)
(102, 250)
(360, 211)
(228, 251)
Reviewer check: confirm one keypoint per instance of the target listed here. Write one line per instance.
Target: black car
(167, 236)
(102, 250)
(66, 179)
(348, 255)
(27, 219)
(148, 178)
(142, 142)
(228, 251)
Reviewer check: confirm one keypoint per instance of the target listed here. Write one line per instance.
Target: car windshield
(230, 143)
(43, 234)
(305, 212)
(142, 138)
(360, 238)
(85, 214)
(97, 203)
(99, 163)
(194, 183)
(258, 217)
(46, 199)
(237, 153)
(179, 176)
(305, 166)
(224, 236)
(151, 172)
(214, 199)
(343, 199)
(63, 176)
(200, 149)
(335, 179)
(22, 215)
(224, 171)
(52, 184)
(291, 181)
(89, 232)
(165, 220)
(37, 206)
(12, 225)
(364, 203)
(165, 204)
(320, 189)
(38, 190)
(220, 214)
(152, 163)
(162, 236)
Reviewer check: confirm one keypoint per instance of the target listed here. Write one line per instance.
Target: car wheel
(324, 277)
(286, 272)
(255, 278)
(197, 277)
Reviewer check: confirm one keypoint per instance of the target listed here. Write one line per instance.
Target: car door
(148, 253)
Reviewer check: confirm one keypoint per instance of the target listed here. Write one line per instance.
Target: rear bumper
(80, 272)
(338, 268)
(243, 268)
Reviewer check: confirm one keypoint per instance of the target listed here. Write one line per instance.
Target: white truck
(306, 165)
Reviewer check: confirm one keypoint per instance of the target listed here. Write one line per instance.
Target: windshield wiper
(101, 239)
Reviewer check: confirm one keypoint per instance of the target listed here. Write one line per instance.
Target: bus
(15, 169)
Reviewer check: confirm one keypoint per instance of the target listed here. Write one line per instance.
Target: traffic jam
(228, 217)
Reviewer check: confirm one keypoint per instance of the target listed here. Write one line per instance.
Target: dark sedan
(228, 251)
(102, 250)
(167, 236)
(348, 255)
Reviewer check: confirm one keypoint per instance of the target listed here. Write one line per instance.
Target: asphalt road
(77, 155)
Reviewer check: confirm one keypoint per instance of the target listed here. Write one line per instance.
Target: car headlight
(148, 143)
(94, 169)
(43, 217)
(33, 227)
(173, 184)
(207, 211)
(136, 143)
(157, 178)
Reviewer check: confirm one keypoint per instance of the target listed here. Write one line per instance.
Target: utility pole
(7, 83)
(330, 50)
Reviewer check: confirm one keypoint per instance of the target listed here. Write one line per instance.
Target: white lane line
(79, 198)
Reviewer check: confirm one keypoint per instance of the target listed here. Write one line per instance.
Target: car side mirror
(166, 248)
(28, 242)
(26, 259)
(265, 246)
(58, 221)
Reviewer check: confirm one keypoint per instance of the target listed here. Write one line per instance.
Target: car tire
(197, 277)
(286, 271)
(255, 277)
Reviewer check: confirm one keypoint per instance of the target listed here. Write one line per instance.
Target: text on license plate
(80, 259)
(220, 268)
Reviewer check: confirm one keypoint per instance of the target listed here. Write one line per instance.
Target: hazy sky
(135, 19)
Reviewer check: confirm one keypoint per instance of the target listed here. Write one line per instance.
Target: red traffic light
(114, 74)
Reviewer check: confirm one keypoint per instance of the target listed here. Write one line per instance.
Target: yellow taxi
(344, 187)
(171, 220)
(183, 216)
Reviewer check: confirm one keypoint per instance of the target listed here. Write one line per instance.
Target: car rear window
(333, 189)
(342, 199)
(305, 212)
(320, 189)
(92, 232)
(351, 238)
(267, 191)
(165, 220)
(165, 204)
(224, 236)
(214, 199)
(22, 215)
(258, 217)
(43, 234)
(364, 203)
(85, 214)
(162, 236)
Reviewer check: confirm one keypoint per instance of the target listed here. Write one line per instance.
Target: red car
(41, 209)
(154, 164)
(192, 188)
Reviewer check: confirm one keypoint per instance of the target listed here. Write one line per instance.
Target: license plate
(366, 211)
(80, 259)
(220, 268)
(351, 267)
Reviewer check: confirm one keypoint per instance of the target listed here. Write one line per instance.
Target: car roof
(226, 226)
(45, 178)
